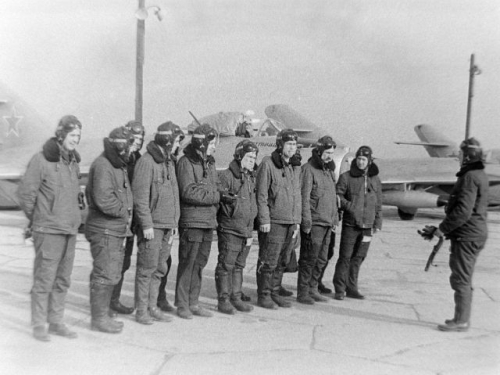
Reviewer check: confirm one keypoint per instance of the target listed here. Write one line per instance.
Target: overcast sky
(367, 71)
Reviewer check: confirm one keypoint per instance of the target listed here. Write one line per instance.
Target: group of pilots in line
(159, 195)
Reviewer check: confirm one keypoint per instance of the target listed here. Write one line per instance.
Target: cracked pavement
(393, 331)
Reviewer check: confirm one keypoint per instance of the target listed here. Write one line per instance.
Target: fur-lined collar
(356, 172)
(195, 157)
(470, 167)
(316, 161)
(52, 152)
(237, 171)
(159, 155)
(278, 160)
(111, 153)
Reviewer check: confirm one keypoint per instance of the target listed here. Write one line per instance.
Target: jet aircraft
(438, 145)
(408, 184)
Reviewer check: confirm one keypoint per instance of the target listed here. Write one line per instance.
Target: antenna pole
(473, 70)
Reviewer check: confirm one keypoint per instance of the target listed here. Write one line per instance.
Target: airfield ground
(393, 331)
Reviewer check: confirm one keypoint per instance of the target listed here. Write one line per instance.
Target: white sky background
(368, 71)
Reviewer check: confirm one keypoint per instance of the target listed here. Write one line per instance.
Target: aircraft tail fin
(435, 143)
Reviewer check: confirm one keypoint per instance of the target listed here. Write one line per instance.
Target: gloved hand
(227, 197)
(429, 231)
(81, 200)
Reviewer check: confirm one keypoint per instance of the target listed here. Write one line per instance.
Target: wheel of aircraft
(403, 215)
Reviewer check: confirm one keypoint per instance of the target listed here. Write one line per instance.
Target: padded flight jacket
(198, 190)
(319, 197)
(109, 195)
(466, 212)
(155, 190)
(238, 218)
(278, 191)
(48, 191)
(360, 196)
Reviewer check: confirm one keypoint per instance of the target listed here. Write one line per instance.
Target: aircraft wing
(423, 144)
(225, 123)
(290, 118)
(422, 171)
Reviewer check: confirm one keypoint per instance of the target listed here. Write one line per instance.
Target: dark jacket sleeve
(262, 185)
(342, 190)
(224, 180)
(193, 192)
(461, 211)
(306, 188)
(30, 184)
(378, 208)
(141, 189)
(104, 195)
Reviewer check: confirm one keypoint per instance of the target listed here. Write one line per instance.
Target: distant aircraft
(229, 126)
(408, 184)
(438, 145)
(435, 143)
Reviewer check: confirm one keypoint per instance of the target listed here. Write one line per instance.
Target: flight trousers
(313, 258)
(233, 253)
(274, 253)
(151, 266)
(54, 258)
(463, 256)
(352, 252)
(129, 247)
(194, 250)
(108, 253)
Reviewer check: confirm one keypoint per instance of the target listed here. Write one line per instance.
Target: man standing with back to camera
(279, 214)
(360, 193)
(466, 226)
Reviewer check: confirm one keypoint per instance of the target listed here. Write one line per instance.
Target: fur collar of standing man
(368, 167)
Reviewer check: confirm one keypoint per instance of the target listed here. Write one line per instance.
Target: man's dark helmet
(243, 147)
(202, 136)
(365, 151)
(178, 132)
(287, 135)
(135, 127)
(471, 150)
(121, 138)
(166, 134)
(66, 125)
(325, 143)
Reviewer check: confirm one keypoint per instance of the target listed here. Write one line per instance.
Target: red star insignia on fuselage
(13, 121)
